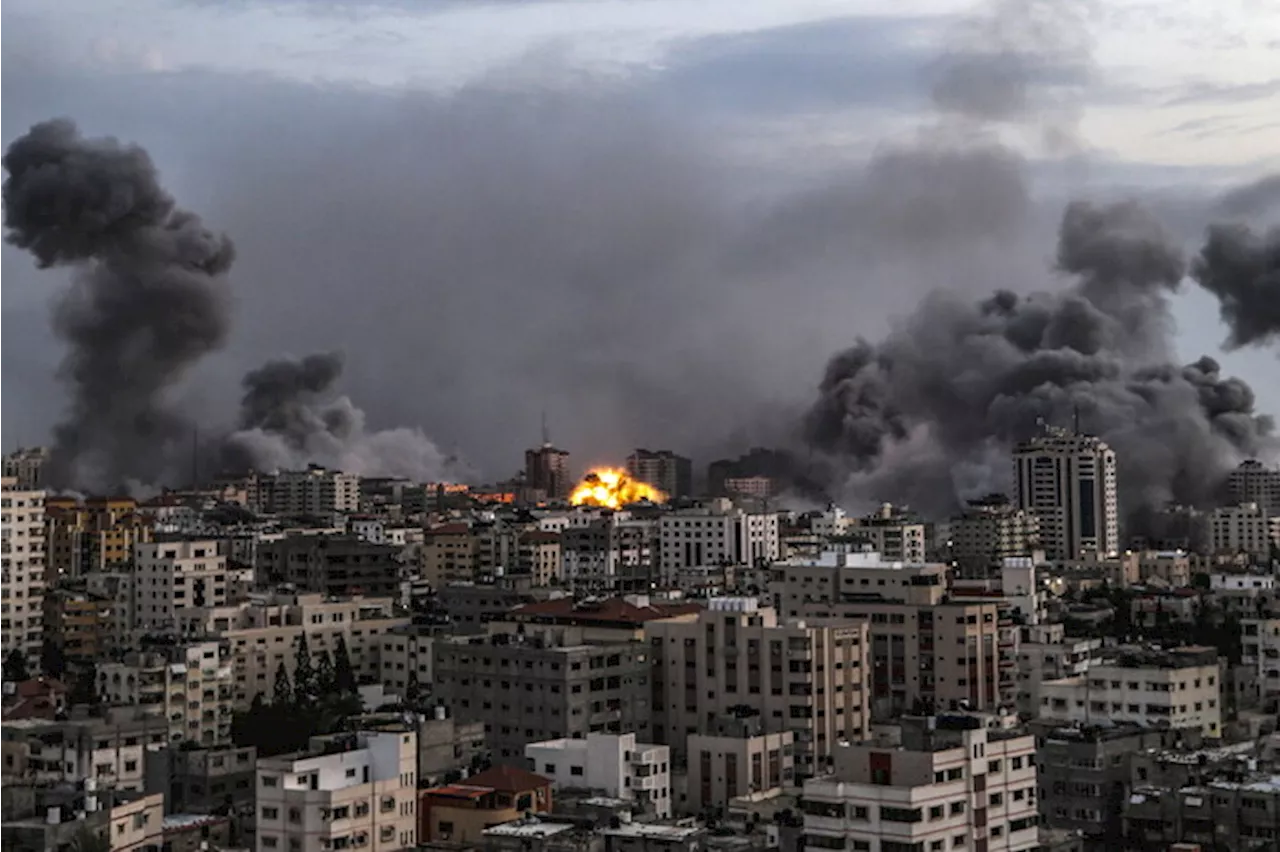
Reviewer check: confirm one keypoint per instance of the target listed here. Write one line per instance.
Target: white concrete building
(350, 791)
(1047, 654)
(1069, 481)
(22, 560)
(1180, 687)
(1241, 529)
(26, 466)
(170, 576)
(1021, 587)
(952, 783)
(190, 687)
(716, 534)
(1257, 583)
(613, 763)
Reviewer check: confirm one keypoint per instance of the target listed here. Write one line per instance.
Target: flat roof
(528, 828)
(653, 830)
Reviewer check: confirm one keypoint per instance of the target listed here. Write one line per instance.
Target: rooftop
(652, 831)
(527, 828)
(507, 779)
(609, 610)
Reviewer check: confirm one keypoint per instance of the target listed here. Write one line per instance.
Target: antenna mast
(546, 432)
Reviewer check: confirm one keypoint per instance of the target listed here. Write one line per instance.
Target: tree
(324, 675)
(15, 666)
(412, 689)
(283, 694)
(85, 688)
(52, 663)
(304, 674)
(344, 679)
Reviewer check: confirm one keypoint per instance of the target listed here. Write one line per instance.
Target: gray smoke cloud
(1242, 268)
(146, 303)
(928, 414)
(290, 417)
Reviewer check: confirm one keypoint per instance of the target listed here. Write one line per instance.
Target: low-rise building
(1179, 687)
(1046, 653)
(613, 763)
(460, 813)
(335, 565)
(739, 759)
(201, 780)
(1260, 650)
(952, 782)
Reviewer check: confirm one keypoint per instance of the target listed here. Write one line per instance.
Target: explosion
(611, 488)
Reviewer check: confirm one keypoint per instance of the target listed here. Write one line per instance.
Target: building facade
(23, 562)
(546, 469)
(1243, 529)
(615, 764)
(714, 535)
(1254, 482)
(1069, 481)
(669, 473)
(170, 576)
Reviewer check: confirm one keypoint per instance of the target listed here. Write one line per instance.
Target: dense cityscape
(638, 658)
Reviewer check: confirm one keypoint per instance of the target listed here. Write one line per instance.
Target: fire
(612, 489)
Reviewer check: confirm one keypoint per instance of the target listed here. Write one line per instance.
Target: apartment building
(1260, 646)
(1084, 774)
(807, 678)
(348, 791)
(951, 783)
(666, 471)
(546, 469)
(989, 531)
(97, 534)
(611, 555)
(538, 553)
(926, 649)
(615, 764)
(332, 565)
(1179, 687)
(23, 563)
(894, 534)
(1254, 482)
(1243, 529)
(172, 576)
(109, 749)
(1069, 481)
(190, 687)
(25, 466)
(717, 533)
(314, 491)
(264, 633)
(201, 780)
(568, 621)
(1228, 809)
(449, 554)
(460, 813)
(740, 758)
(80, 624)
(407, 659)
(1046, 653)
(527, 689)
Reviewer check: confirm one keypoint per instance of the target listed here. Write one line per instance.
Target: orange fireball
(611, 488)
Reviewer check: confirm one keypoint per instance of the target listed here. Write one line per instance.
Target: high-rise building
(546, 469)
(1243, 529)
(23, 562)
(313, 491)
(176, 575)
(1253, 482)
(1069, 480)
(716, 534)
(669, 473)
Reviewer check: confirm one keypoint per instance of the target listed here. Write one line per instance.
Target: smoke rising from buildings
(290, 416)
(147, 300)
(1242, 269)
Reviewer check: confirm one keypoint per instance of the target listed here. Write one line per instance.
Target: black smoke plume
(928, 415)
(1242, 268)
(290, 417)
(146, 303)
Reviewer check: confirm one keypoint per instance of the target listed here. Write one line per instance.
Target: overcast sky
(598, 146)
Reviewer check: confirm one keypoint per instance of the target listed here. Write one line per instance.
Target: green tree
(52, 662)
(344, 678)
(304, 674)
(15, 666)
(85, 688)
(282, 696)
(412, 689)
(325, 680)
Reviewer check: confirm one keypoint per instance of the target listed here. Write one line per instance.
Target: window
(270, 813)
(549, 768)
(295, 815)
(900, 814)
(957, 841)
(269, 841)
(997, 800)
(268, 780)
(1016, 763)
(957, 808)
(575, 770)
(935, 812)
(993, 766)
(859, 812)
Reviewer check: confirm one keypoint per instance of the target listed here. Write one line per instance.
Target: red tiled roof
(507, 779)
(40, 686)
(610, 610)
(460, 791)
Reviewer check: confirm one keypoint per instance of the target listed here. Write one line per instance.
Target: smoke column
(928, 414)
(146, 303)
(290, 417)
(1242, 268)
